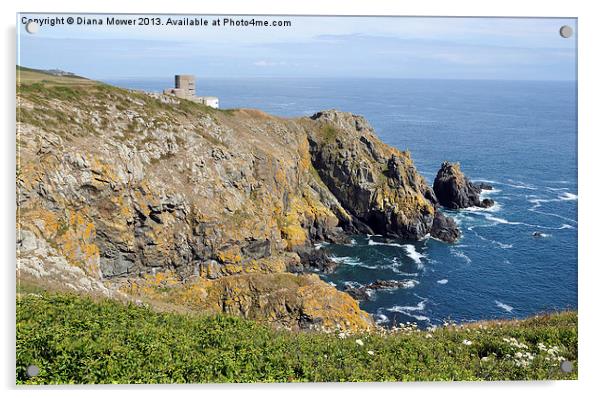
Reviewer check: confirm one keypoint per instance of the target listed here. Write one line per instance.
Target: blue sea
(519, 136)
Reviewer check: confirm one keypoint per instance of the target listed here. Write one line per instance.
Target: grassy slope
(78, 340)
(29, 76)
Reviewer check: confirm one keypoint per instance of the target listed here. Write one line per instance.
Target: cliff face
(378, 185)
(124, 185)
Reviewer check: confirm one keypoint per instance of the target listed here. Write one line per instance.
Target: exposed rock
(445, 228)
(364, 292)
(358, 293)
(455, 191)
(313, 260)
(487, 203)
(282, 299)
(376, 184)
(37, 261)
(483, 186)
(295, 302)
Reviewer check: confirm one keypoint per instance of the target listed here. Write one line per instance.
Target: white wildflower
(370, 352)
(467, 342)
(359, 342)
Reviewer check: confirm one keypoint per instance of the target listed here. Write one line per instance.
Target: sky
(325, 47)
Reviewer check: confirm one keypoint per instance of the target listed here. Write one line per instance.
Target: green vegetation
(29, 76)
(329, 133)
(79, 340)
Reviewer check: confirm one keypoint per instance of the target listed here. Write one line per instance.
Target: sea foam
(373, 243)
(460, 254)
(408, 310)
(347, 260)
(503, 306)
(413, 254)
(567, 196)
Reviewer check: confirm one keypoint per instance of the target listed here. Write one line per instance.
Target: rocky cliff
(221, 207)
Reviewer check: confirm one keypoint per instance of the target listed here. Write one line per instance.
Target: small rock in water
(487, 203)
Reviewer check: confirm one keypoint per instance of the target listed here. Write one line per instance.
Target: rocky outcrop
(290, 301)
(455, 191)
(281, 299)
(313, 260)
(365, 292)
(445, 228)
(377, 185)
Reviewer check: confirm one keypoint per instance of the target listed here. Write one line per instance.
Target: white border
(589, 186)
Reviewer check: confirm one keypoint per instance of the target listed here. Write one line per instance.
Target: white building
(210, 101)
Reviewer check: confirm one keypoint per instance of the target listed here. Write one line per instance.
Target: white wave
(567, 196)
(364, 265)
(483, 210)
(408, 311)
(418, 307)
(502, 245)
(321, 245)
(503, 306)
(413, 254)
(566, 226)
(492, 182)
(520, 185)
(381, 318)
(373, 243)
(537, 204)
(417, 317)
(556, 189)
(347, 260)
(352, 284)
(442, 281)
(495, 242)
(395, 267)
(485, 193)
(409, 283)
(405, 284)
(500, 220)
(352, 242)
(538, 201)
(425, 237)
(332, 284)
(460, 254)
(542, 235)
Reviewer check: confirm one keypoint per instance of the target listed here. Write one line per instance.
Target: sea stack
(455, 191)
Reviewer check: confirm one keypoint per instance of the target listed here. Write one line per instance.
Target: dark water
(520, 136)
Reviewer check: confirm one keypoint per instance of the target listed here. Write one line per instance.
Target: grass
(32, 76)
(329, 133)
(80, 340)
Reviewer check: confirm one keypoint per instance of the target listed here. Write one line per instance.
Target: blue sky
(377, 47)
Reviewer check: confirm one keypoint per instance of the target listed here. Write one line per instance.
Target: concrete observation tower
(185, 87)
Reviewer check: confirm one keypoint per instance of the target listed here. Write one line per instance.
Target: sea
(518, 136)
